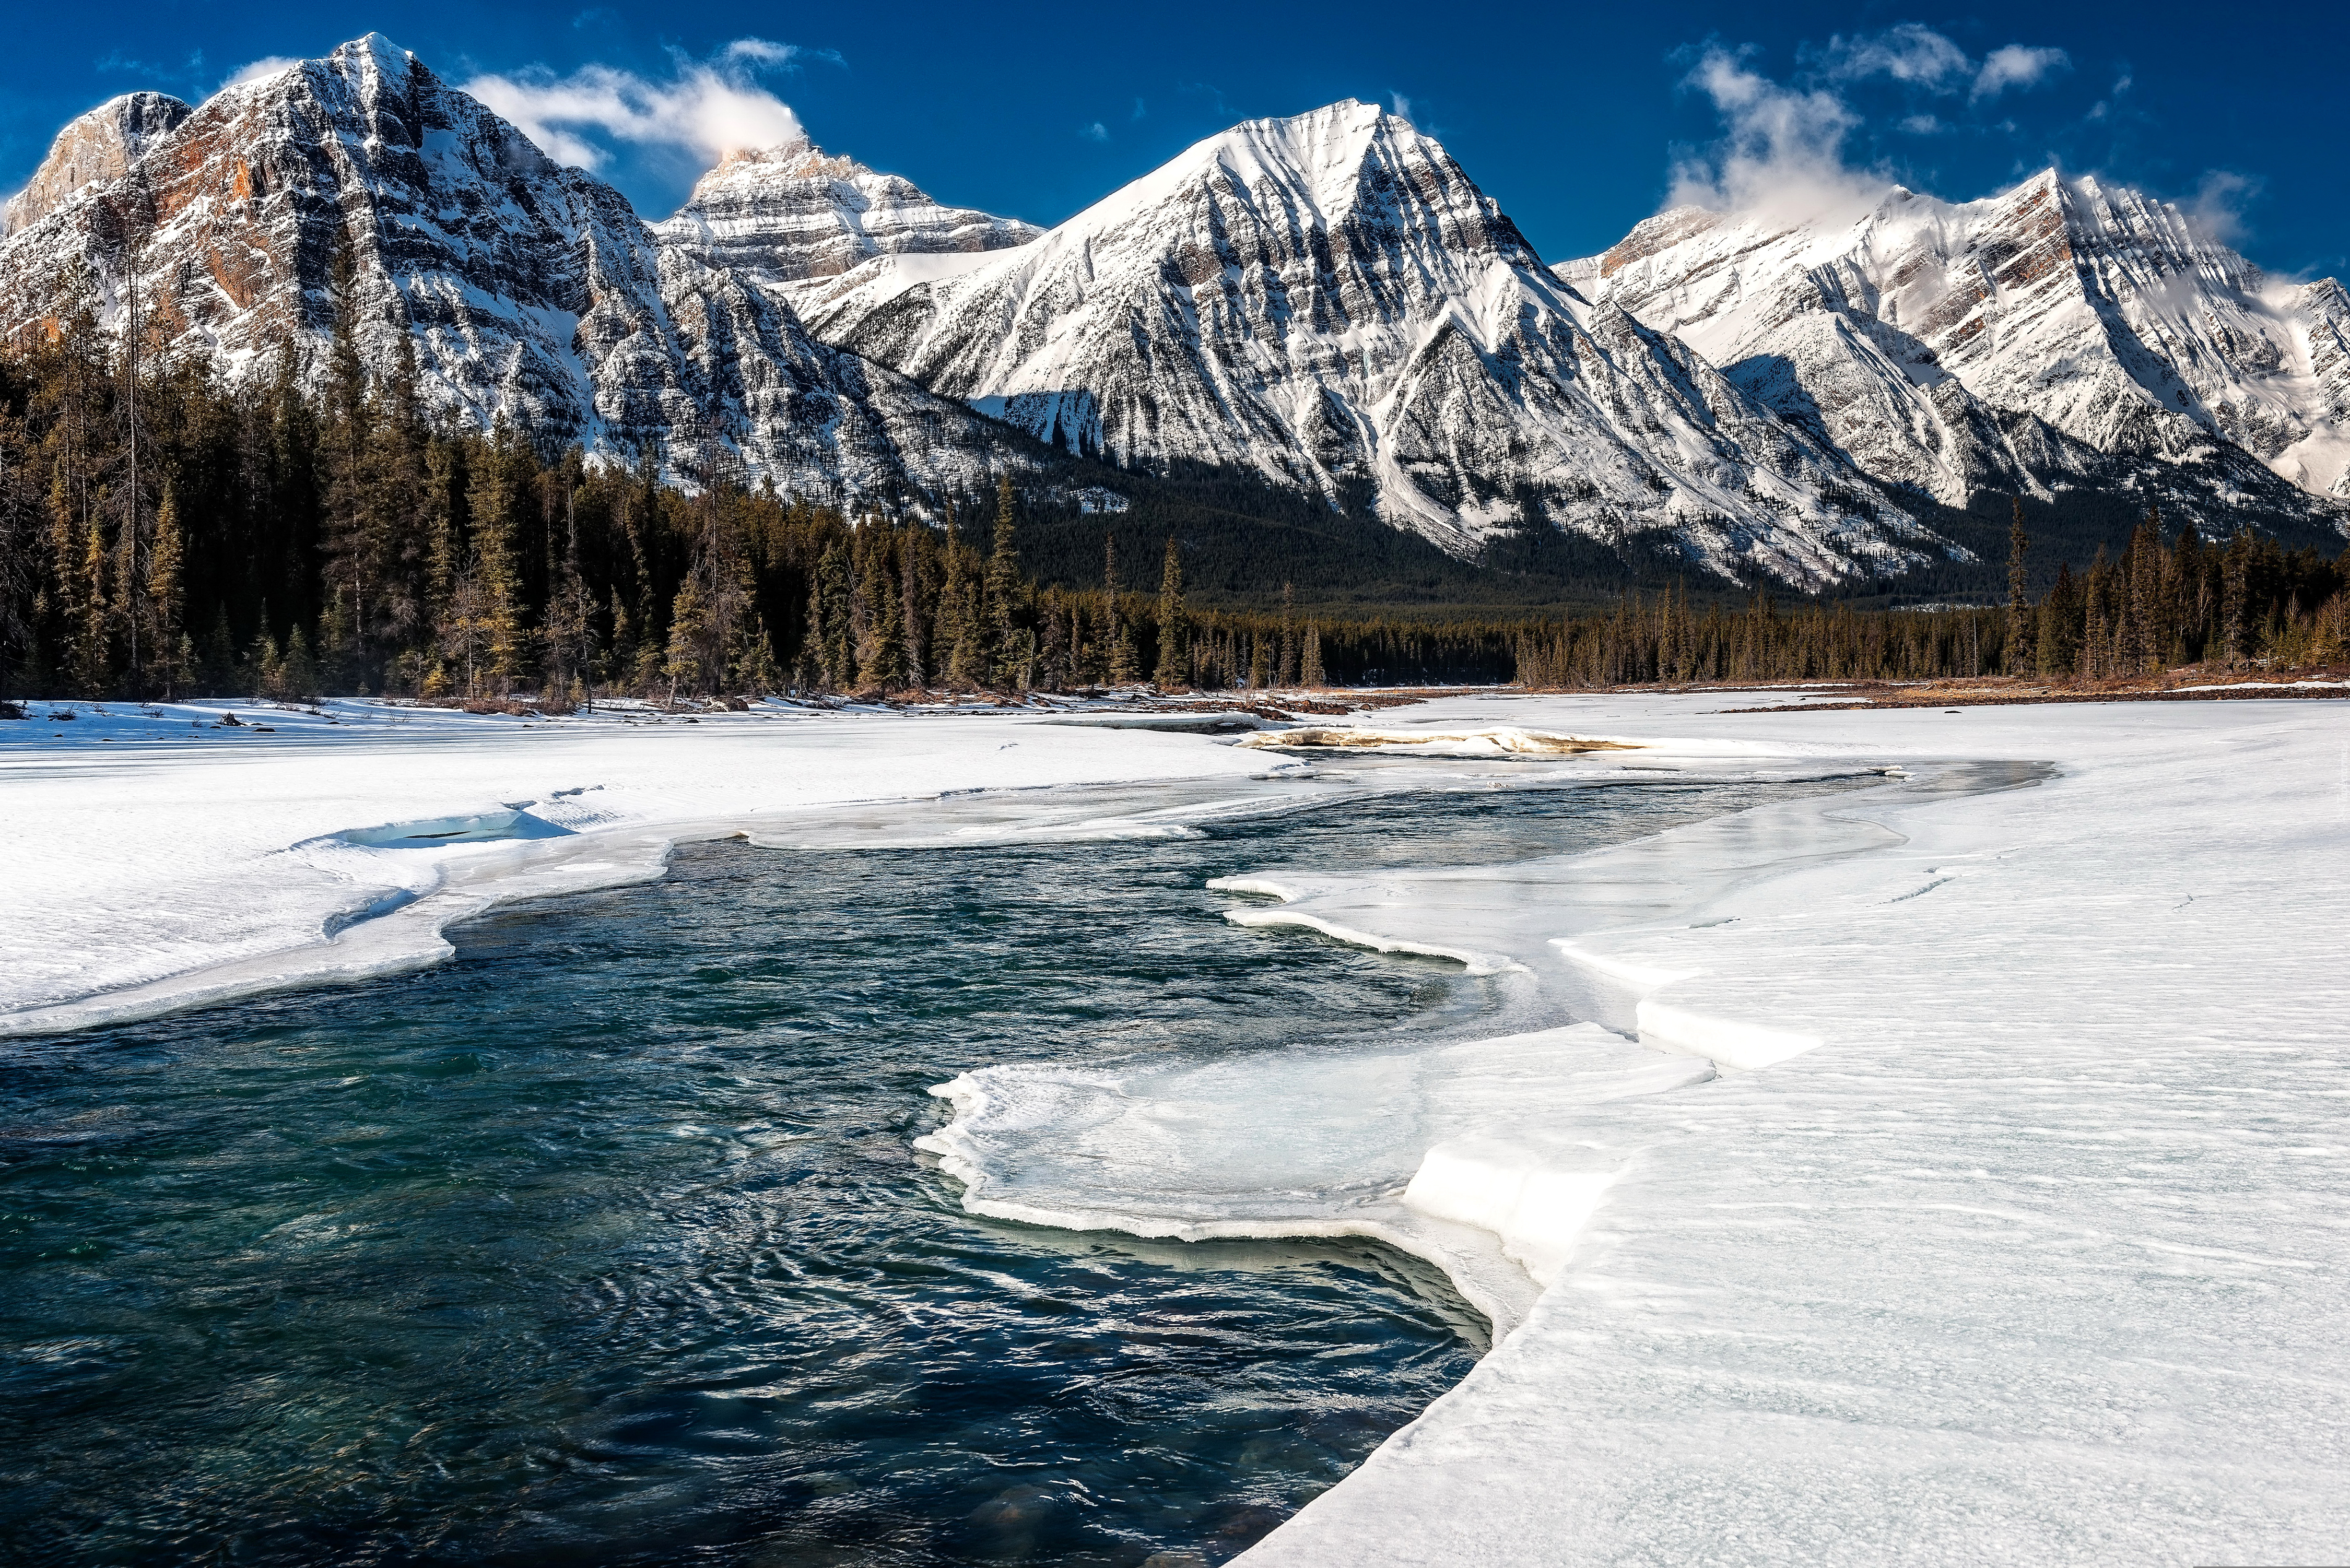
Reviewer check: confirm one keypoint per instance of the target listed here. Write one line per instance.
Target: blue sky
(1579, 120)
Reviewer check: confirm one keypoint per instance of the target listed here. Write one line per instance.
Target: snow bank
(2010, 1229)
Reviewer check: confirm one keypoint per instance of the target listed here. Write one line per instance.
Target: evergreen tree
(1005, 655)
(2020, 656)
(1174, 664)
(884, 664)
(1310, 661)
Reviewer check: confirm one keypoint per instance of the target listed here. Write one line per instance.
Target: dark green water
(604, 1243)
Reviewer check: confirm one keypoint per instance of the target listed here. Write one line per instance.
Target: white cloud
(1096, 132)
(267, 65)
(710, 108)
(1909, 52)
(759, 52)
(2218, 205)
(2018, 66)
(1402, 106)
(1783, 147)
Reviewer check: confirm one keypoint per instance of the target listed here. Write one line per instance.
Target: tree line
(2162, 601)
(166, 533)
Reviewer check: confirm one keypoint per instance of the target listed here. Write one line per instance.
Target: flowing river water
(604, 1242)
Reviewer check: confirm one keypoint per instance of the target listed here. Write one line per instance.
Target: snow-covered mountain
(1329, 300)
(533, 293)
(785, 213)
(91, 150)
(2067, 332)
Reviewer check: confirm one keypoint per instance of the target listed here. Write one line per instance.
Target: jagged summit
(532, 293)
(93, 148)
(1325, 299)
(1329, 300)
(2064, 332)
(787, 213)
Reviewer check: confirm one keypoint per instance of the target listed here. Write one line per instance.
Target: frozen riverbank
(2024, 1241)
(1977, 1195)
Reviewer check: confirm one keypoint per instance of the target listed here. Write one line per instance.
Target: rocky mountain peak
(2065, 332)
(531, 294)
(93, 148)
(791, 212)
(1329, 300)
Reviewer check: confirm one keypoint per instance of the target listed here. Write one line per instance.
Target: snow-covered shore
(1951, 1171)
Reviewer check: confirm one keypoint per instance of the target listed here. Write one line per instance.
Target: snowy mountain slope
(92, 148)
(1927, 339)
(534, 294)
(785, 213)
(1329, 300)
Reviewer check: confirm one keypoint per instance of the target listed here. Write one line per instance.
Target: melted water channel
(604, 1243)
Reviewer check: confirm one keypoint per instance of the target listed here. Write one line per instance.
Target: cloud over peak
(1783, 143)
(708, 107)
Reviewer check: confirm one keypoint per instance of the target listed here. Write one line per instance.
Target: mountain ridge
(2060, 334)
(1327, 297)
(1325, 301)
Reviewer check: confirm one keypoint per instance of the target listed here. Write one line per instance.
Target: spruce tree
(1310, 661)
(1174, 662)
(1285, 665)
(2019, 657)
(884, 666)
(1006, 655)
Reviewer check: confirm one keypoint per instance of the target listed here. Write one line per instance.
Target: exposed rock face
(2064, 332)
(787, 213)
(533, 293)
(99, 146)
(1330, 300)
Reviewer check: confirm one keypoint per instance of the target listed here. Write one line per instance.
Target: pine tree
(884, 664)
(961, 630)
(300, 675)
(1174, 663)
(493, 502)
(1310, 666)
(1004, 653)
(2020, 656)
(164, 610)
(1285, 669)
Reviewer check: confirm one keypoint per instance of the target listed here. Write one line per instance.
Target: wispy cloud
(1402, 105)
(1096, 132)
(2018, 66)
(1783, 144)
(2219, 202)
(267, 65)
(710, 108)
(1910, 52)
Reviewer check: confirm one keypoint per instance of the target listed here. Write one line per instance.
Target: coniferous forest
(164, 536)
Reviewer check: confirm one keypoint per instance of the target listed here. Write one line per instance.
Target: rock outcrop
(91, 150)
(785, 215)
